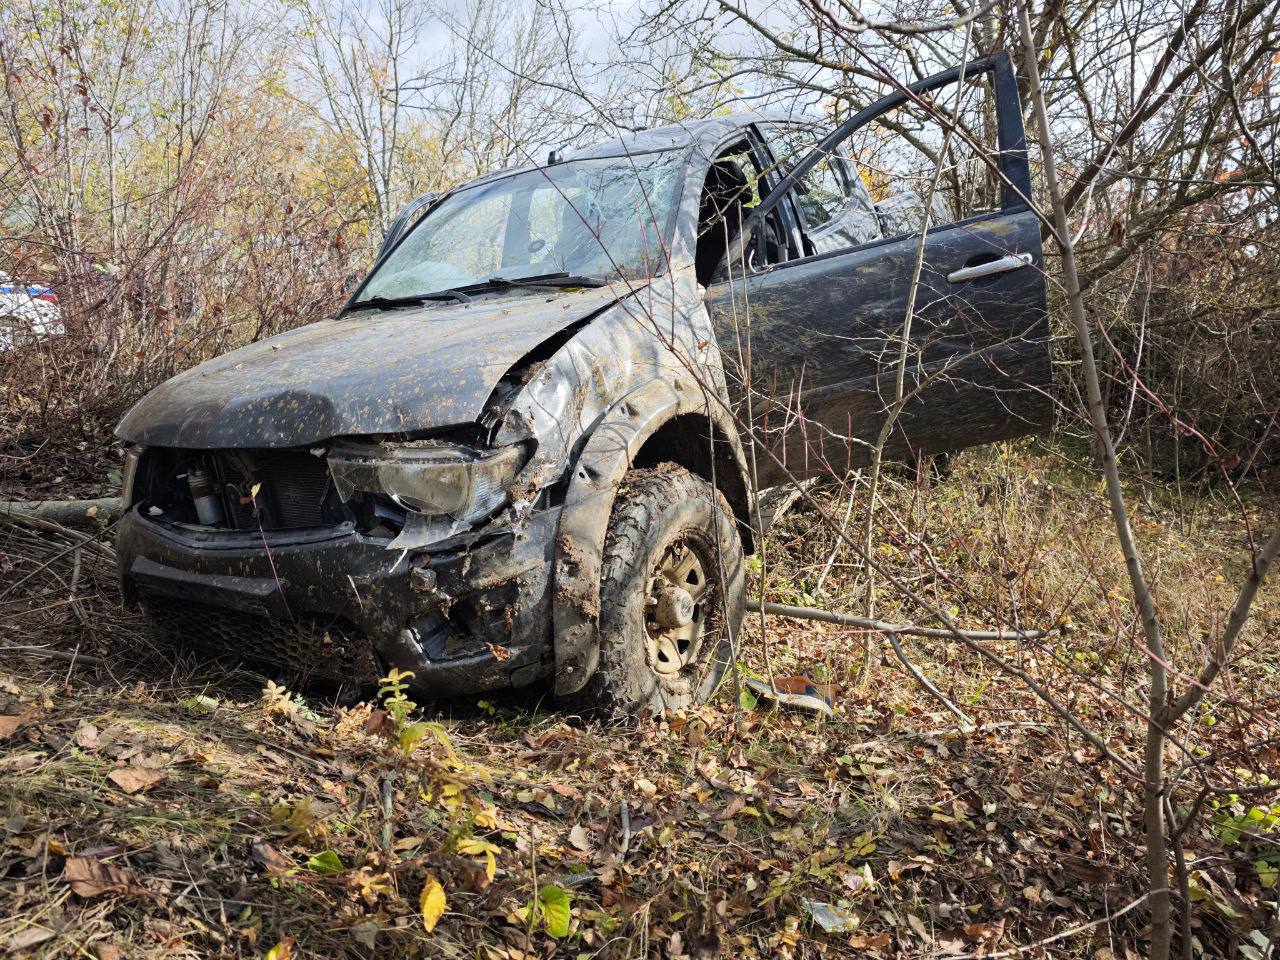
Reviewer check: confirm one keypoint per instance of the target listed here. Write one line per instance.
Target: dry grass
(735, 821)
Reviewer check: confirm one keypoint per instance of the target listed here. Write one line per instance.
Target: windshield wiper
(390, 303)
(542, 280)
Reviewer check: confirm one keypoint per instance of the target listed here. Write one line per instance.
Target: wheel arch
(686, 441)
(660, 421)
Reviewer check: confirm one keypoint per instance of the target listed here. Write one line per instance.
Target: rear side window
(832, 199)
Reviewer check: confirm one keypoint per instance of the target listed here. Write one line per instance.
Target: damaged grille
(242, 489)
(335, 650)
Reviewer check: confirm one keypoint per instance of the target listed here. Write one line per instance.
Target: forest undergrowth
(158, 806)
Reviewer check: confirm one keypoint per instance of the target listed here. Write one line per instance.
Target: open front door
(916, 313)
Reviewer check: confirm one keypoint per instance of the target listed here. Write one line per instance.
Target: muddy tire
(666, 614)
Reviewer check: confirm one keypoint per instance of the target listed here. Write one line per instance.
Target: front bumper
(468, 615)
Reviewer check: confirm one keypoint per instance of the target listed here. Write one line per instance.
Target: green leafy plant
(553, 903)
(551, 908)
(326, 861)
(1268, 871)
(1232, 824)
(279, 700)
(395, 700)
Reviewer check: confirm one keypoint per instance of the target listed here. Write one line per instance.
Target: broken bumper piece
(467, 615)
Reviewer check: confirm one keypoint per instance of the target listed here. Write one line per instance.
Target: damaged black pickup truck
(526, 449)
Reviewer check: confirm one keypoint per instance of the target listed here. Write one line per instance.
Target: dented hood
(398, 371)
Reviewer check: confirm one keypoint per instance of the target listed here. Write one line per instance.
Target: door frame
(789, 219)
(1012, 164)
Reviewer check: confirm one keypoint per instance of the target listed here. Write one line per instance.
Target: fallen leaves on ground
(30, 937)
(135, 779)
(257, 825)
(92, 878)
(12, 723)
(86, 736)
(431, 903)
(270, 858)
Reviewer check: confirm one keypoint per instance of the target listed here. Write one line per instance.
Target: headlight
(428, 478)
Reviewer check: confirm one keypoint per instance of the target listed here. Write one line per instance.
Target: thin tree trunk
(1153, 774)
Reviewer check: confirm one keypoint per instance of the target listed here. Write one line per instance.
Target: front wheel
(671, 593)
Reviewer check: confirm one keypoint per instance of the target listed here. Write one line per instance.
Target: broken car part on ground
(518, 452)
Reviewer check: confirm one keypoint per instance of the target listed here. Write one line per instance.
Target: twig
(835, 547)
(1105, 450)
(75, 571)
(71, 667)
(53, 654)
(881, 626)
(892, 631)
(966, 721)
(1019, 951)
(388, 797)
(1184, 878)
(57, 556)
(625, 815)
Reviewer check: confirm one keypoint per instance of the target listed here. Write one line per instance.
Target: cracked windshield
(597, 218)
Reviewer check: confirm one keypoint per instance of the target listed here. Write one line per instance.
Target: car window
(597, 217)
(734, 185)
(832, 199)
(822, 191)
(931, 161)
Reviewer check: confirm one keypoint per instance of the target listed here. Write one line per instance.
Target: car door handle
(1013, 261)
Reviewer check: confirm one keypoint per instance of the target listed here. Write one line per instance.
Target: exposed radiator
(293, 488)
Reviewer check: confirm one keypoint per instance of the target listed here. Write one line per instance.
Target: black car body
(427, 482)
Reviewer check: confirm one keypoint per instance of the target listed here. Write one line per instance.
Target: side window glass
(833, 201)
(822, 191)
(931, 162)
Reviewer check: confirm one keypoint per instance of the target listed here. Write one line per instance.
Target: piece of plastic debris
(830, 918)
(802, 693)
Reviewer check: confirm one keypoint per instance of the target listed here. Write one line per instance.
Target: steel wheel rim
(677, 607)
